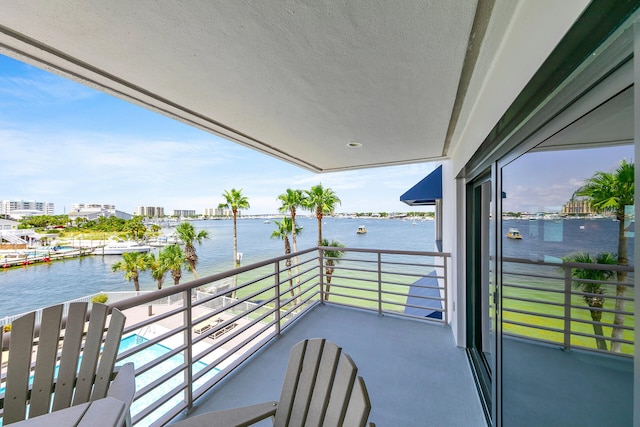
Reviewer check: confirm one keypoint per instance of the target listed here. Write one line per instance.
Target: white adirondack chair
(320, 388)
(57, 383)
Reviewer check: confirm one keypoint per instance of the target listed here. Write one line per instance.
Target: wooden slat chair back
(85, 365)
(321, 388)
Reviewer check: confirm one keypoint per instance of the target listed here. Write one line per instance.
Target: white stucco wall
(519, 38)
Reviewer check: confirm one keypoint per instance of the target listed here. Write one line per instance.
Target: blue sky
(64, 143)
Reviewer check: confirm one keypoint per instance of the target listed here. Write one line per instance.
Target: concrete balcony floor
(414, 372)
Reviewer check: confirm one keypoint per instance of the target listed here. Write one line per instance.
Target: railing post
(445, 304)
(321, 265)
(379, 283)
(277, 288)
(188, 321)
(567, 308)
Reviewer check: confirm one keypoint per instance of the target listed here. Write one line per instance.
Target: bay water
(40, 285)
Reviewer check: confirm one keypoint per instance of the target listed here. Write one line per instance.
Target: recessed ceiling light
(354, 144)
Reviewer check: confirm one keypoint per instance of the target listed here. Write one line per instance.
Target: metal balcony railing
(185, 339)
(545, 301)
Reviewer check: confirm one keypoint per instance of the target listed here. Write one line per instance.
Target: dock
(24, 259)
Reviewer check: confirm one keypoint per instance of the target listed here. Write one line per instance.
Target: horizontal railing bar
(160, 359)
(228, 369)
(413, 316)
(532, 288)
(298, 295)
(355, 288)
(338, 294)
(164, 292)
(412, 264)
(603, 310)
(555, 304)
(410, 274)
(296, 275)
(154, 319)
(440, 310)
(597, 350)
(612, 283)
(614, 267)
(608, 338)
(606, 325)
(530, 325)
(159, 402)
(608, 296)
(160, 380)
(150, 342)
(533, 313)
(413, 285)
(301, 304)
(387, 251)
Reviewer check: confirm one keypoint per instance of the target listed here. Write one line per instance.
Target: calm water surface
(28, 288)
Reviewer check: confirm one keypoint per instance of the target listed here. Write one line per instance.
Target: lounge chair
(55, 391)
(206, 326)
(320, 389)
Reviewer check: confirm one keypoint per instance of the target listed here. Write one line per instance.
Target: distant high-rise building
(183, 213)
(7, 207)
(149, 211)
(577, 207)
(216, 212)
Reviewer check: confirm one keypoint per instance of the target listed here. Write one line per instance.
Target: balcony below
(413, 370)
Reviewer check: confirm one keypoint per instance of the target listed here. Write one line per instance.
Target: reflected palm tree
(590, 283)
(613, 192)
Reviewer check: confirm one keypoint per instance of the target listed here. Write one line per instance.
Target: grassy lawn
(358, 287)
(544, 307)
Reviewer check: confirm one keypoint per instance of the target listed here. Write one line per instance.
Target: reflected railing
(544, 301)
(185, 339)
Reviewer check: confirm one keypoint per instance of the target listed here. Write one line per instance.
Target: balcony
(223, 341)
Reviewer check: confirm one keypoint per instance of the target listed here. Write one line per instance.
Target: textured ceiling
(297, 80)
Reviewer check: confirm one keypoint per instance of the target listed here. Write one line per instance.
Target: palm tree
(320, 200)
(291, 201)
(187, 233)
(331, 259)
(132, 264)
(284, 228)
(593, 290)
(135, 227)
(157, 266)
(235, 200)
(174, 259)
(612, 192)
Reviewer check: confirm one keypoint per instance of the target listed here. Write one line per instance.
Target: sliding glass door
(481, 288)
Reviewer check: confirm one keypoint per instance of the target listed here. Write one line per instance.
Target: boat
(514, 233)
(361, 229)
(118, 247)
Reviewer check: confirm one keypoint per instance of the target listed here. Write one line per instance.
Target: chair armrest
(123, 388)
(237, 417)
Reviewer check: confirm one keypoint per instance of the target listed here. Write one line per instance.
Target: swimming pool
(140, 359)
(145, 356)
